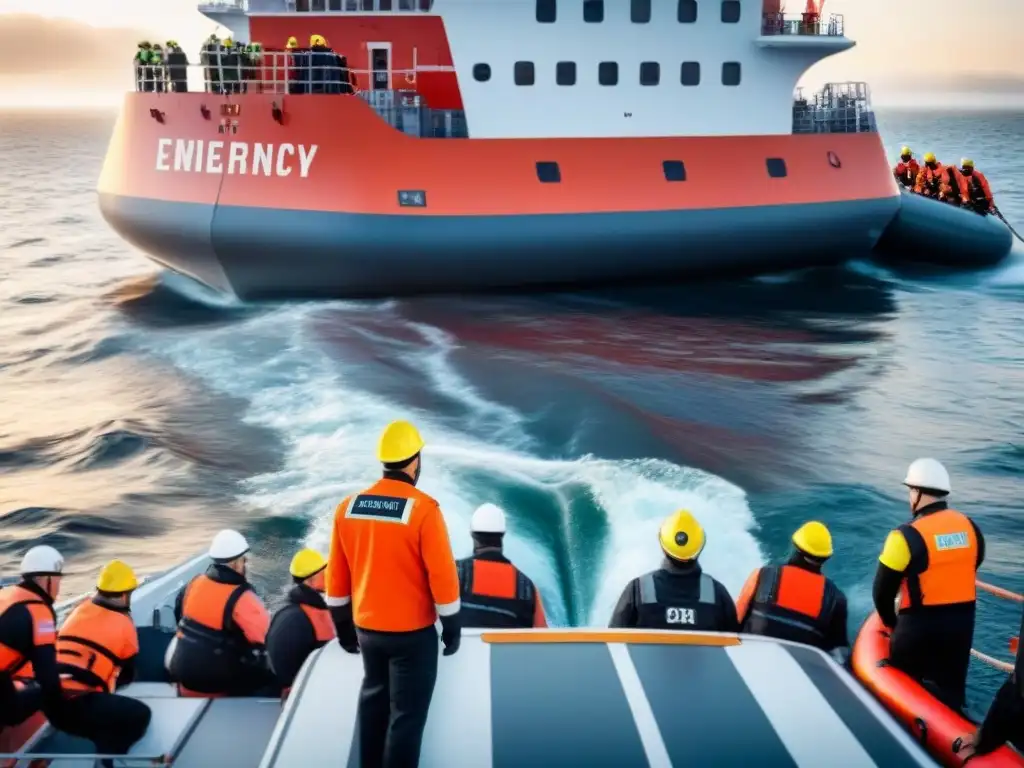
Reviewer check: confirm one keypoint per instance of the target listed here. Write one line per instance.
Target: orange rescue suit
(929, 180)
(978, 193)
(391, 557)
(943, 560)
(93, 645)
(906, 173)
(14, 661)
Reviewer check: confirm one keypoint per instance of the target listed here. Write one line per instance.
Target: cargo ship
(512, 144)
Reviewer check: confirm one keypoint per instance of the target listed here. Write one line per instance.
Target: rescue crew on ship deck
(28, 634)
(796, 601)
(495, 594)
(679, 595)
(96, 651)
(390, 576)
(303, 624)
(931, 564)
(222, 628)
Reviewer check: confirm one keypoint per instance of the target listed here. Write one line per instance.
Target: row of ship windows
(524, 73)
(674, 170)
(639, 11)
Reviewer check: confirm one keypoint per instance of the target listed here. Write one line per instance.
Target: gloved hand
(345, 627)
(451, 633)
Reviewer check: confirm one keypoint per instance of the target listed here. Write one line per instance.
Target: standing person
(390, 576)
(931, 563)
(495, 594)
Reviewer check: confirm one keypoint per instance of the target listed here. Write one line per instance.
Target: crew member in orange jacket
(222, 628)
(495, 594)
(929, 179)
(303, 624)
(907, 169)
(978, 194)
(931, 563)
(390, 576)
(28, 633)
(953, 189)
(96, 651)
(795, 601)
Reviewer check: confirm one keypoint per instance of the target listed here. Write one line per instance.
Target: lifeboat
(508, 698)
(936, 726)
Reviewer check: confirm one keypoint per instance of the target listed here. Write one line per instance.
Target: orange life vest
(13, 661)
(943, 560)
(906, 173)
(495, 594)
(320, 620)
(92, 646)
(792, 603)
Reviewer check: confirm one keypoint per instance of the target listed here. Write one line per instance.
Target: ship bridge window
(593, 11)
(565, 73)
(689, 73)
(482, 72)
(686, 12)
(650, 73)
(523, 73)
(776, 167)
(547, 11)
(640, 11)
(608, 73)
(731, 73)
(674, 170)
(730, 11)
(548, 173)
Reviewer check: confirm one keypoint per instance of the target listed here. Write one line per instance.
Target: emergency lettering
(945, 541)
(235, 158)
(680, 616)
(386, 508)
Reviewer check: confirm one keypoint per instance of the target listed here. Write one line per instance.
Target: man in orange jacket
(906, 169)
(977, 193)
(390, 576)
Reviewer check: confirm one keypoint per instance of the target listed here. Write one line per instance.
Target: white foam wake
(330, 427)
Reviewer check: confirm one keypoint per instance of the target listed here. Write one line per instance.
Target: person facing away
(222, 628)
(679, 595)
(931, 564)
(177, 67)
(495, 594)
(390, 576)
(795, 601)
(28, 634)
(303, 624)
(96, 651)
(906, 169)
(978, 195)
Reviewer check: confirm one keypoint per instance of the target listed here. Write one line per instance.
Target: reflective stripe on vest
(85, 660)
(12, 660)
(800, 599)
(943, 560)
(320, 620)
(649, 595)
(495, 594)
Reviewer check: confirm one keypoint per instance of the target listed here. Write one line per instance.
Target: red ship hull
(334, 225)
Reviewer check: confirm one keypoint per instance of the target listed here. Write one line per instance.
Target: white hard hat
(928, 475)
(488, 518)
(228, 545)
(42, 561)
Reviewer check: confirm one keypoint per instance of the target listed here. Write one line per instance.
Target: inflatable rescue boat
(509, 699)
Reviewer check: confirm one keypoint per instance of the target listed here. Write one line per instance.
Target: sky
(972, 53)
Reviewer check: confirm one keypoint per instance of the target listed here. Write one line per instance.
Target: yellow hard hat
(306, 563)
(681, 536)
(813, 539)
(315, 40)
(966, 162)
(929, 157)
(292, 43)
(399, 441)
(228, 42)
(117, 576)
(905, 151)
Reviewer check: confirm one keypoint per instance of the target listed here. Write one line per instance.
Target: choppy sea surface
(141, 413)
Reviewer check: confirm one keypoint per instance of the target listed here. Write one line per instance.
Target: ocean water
(141, 413)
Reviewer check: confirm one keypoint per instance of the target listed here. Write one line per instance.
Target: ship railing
(359, 6)
(992, 661)
(836, 108)
(391, 94)
(804, 24)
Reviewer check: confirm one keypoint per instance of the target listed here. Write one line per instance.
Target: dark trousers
(400, 669)
(113, 723)
(17, 706)
(1004, 721)
(935, 648)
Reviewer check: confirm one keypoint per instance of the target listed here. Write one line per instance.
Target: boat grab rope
(1009, 226)
(1005, 594)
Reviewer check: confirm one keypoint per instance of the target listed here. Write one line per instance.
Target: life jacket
(943, 560)
(906, 173)
(495, 594)
(14, 660)
(90, 647)
(301, 599)
(211, 652)
(977, 192)
(792, 603)
(663, 605)
(952, 188)
(930, 179)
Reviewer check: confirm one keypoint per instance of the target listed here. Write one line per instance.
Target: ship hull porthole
(834, 161)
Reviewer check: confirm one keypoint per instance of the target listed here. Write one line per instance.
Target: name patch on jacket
(945, 541)
(392, 509)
